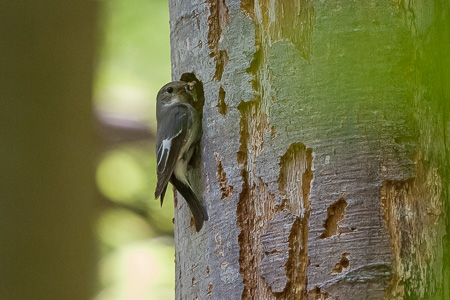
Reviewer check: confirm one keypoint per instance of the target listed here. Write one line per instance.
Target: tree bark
(325, 152)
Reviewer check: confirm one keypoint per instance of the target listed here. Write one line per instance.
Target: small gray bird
(178, 132)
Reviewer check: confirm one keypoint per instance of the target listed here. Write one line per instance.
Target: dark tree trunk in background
(325, 150)
(47, 188)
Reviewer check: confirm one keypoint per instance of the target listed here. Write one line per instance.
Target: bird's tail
(197, 210)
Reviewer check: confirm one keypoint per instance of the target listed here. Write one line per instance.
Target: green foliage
(133, 63)
(135, 52)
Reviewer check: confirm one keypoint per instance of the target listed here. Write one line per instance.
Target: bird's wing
(171, 136)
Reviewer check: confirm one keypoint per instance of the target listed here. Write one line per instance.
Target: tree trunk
(47, 191)
(325, 149)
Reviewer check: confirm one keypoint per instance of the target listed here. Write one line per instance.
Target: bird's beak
(189, 87)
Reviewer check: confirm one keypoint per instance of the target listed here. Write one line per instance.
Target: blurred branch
(120, 128)
(137, 207)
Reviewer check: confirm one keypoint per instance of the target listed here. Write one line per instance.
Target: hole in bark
(198, 105)
(342, 265)
(335, 213)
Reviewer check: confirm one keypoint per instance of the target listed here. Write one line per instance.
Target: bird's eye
(170, 90)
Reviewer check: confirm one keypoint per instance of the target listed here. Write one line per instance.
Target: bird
(177, 134)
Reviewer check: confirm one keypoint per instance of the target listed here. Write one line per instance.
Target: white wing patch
(164, 149)
(165, 146)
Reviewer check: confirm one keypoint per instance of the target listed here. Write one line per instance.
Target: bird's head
(176, 91)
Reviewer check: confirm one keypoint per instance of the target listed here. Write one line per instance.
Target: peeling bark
(275, 255)
(412, 213)
(335, 213)
(217, 20)
(325, 149)
(227, 190)
(221, 105)
(342, 265)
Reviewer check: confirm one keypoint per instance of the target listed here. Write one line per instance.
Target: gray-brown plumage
(178, 132)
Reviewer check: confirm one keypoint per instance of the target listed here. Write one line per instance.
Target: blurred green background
(78, 82)
(135, 234)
